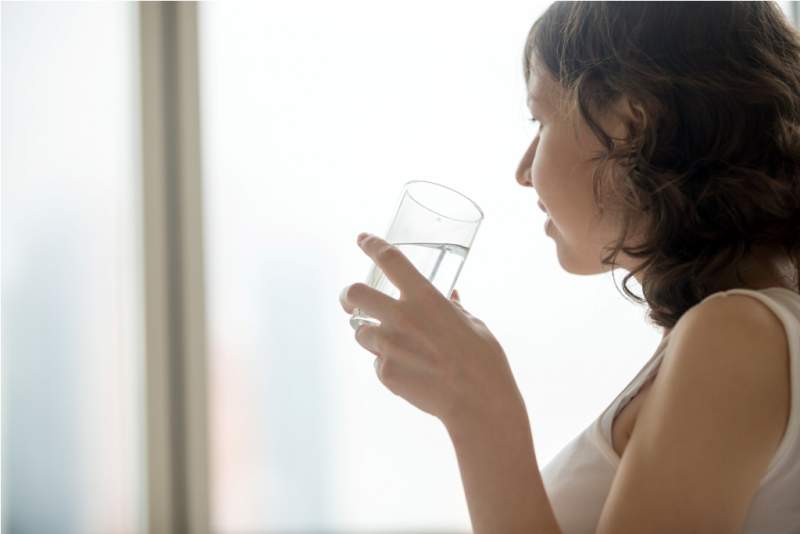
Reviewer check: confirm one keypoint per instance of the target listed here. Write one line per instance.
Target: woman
(668, 144)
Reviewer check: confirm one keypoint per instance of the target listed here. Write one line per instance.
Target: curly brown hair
(712, 169)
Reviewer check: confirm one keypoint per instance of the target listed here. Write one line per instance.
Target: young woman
(668, 144)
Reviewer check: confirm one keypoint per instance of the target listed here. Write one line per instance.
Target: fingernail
(362, 236)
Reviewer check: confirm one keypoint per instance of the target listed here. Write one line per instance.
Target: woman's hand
(432, 352)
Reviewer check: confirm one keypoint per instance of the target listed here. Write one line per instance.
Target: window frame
(174, 281)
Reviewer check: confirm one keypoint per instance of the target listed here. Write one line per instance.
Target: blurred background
(182, 185)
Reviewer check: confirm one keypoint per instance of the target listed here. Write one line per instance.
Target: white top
(579, 478)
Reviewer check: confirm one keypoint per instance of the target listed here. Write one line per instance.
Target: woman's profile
(667, 144)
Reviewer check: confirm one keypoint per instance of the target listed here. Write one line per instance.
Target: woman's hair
(712, 164)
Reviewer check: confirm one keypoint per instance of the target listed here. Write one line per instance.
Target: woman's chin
(572, 261)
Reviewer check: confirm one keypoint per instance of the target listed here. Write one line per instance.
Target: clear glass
(72, 436)
(434, 226)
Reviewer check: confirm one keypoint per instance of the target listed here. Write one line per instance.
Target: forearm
(501, 478)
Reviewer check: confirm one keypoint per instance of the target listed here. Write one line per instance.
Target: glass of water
(434, 226)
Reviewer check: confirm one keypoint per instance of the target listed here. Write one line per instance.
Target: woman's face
(557, 165)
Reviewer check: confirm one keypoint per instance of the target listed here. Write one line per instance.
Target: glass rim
(408, 192)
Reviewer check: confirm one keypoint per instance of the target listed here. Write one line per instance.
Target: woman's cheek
(540, 172)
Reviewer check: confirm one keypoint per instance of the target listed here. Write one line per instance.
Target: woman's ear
(632, 113)
(625, 118)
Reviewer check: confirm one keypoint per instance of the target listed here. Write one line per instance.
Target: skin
(711, 406)
(443, 360)
(557, 165)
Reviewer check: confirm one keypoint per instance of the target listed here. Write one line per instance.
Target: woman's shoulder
(740, 346)
(723, 327)
(721, 398)
(755, 310)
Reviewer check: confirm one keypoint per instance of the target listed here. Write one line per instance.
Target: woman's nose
(524, 177)
(524, 168)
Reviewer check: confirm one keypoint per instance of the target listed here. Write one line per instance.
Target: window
(73, 453)
(131, 300)
(314, 115)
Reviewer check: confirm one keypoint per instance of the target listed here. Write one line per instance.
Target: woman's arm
(502, 483)
(710, 425)
(446, 362)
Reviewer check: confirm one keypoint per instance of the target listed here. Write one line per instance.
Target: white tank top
(579, 477)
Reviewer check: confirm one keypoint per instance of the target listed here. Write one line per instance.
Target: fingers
(394, 264)
(372, 338)
(392, 356)
(371, 301)
(456, 300)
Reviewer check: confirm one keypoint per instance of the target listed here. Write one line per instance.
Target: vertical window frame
(174, 281)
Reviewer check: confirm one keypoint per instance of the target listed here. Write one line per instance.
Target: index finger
(394, 264)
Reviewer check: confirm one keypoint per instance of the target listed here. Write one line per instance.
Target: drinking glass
(434, 226)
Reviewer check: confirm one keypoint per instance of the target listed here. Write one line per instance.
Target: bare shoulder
(731, 313)
(736, 337)
(711, 423)
(740, 346)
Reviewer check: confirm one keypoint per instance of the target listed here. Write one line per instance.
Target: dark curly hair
(712, 169)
